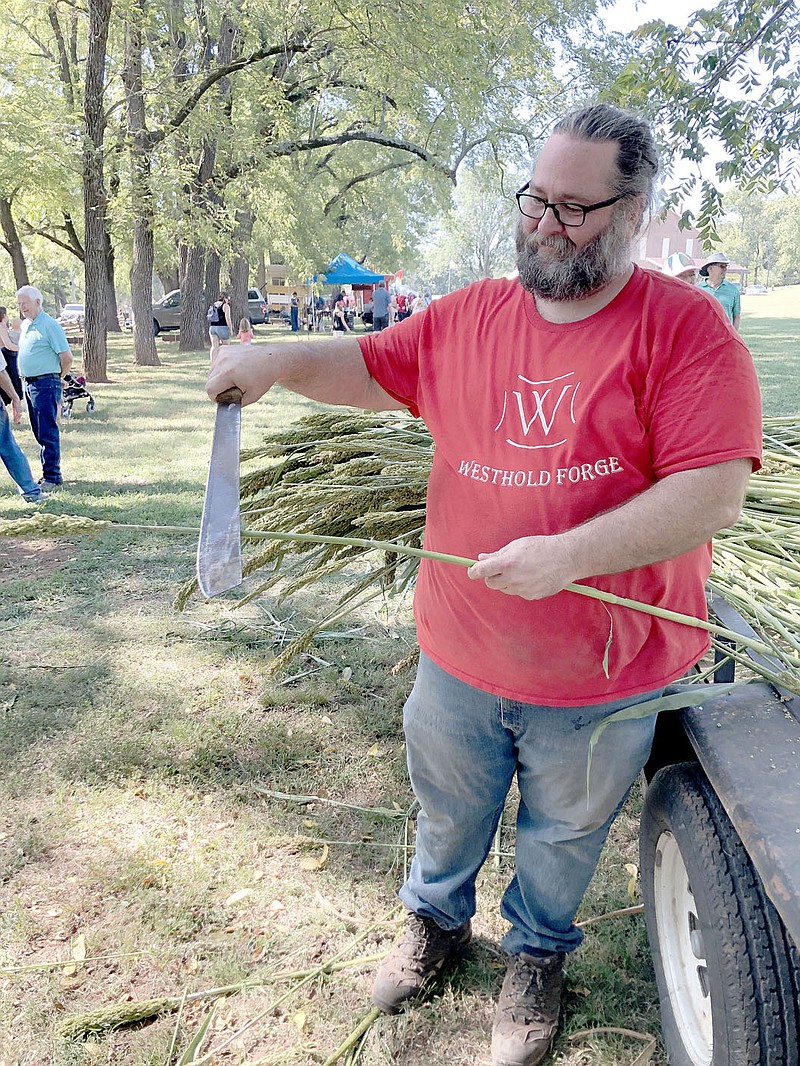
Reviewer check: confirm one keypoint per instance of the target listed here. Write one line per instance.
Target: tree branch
(362, 177)
(63, 57)
(37, 231)
(284, 148)
(467, 147)
(72, 233)
(722, 72)
(211, 79)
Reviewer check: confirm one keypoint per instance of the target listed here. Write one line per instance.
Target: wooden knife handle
(232, 395)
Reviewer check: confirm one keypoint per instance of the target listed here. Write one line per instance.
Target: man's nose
(549, 224)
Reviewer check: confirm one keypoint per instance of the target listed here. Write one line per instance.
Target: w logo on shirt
(539, 413)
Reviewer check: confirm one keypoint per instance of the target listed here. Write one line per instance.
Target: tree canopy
(726, 84)
(192, 139)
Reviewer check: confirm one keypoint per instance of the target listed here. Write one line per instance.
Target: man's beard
(566, 272)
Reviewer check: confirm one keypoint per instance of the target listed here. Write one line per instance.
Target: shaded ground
(20, 557)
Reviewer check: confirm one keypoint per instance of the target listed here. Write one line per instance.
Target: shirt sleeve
(392, 358)
(703, 403)
(58, 337)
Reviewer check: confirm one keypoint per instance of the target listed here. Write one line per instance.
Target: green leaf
(676, 702)
(192, 1051)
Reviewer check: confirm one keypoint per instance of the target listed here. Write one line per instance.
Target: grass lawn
(771, 329)
(188, 822)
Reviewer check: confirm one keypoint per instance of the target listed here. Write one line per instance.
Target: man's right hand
(254, 372)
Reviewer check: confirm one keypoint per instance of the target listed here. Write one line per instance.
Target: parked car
(755, 290)
(167, 311)
(72, 315)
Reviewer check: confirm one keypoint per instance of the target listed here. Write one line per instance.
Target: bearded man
(582, 423)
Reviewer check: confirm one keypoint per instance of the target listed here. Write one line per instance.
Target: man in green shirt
(712, 279)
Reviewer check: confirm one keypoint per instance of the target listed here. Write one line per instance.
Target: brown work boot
(527, 1014)
(415, 961)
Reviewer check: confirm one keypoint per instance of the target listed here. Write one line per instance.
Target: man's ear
(636, 211)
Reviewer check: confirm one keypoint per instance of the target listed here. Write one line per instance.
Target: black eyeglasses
(566, 213)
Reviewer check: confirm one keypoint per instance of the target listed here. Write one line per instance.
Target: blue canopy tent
(346, 271)
(343, 270)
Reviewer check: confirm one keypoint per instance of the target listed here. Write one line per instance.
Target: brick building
(663, 237)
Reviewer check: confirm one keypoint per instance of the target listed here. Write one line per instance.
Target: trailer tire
(726, 969)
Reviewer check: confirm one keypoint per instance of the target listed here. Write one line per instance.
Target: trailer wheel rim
(682, 951)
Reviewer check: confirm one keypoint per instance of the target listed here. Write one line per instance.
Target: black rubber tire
(751, 973)
(156, 327)
(90, 406)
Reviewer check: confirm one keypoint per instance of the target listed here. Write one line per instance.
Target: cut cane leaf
(78, 954)
(300, 1020)
(633, 870)
(237, 897)
(607, 651)
(192, 1052)
(678, 701)
(316, 864)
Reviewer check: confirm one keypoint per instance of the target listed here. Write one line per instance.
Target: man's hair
(32, 292)
(637, 158)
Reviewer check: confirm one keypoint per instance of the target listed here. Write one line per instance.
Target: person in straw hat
(713, 280)
(680, 265)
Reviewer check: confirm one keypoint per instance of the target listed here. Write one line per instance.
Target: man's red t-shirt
(539, 427)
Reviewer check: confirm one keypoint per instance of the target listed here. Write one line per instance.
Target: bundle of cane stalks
(364, 476)
(757, 561)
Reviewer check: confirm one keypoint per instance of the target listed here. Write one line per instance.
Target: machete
(219, 548)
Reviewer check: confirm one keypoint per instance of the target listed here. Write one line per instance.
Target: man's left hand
(531, 567)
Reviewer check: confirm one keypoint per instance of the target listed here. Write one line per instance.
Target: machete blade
(219, 548)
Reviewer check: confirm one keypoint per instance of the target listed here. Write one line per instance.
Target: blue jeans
(43, 398)
(294, 316)
(14, 459)
(464, 747)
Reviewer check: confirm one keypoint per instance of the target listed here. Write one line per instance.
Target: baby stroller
(75, 389)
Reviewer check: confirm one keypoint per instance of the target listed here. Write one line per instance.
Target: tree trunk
(212, 278)
(193, 308)
(169, 279)
(12, 244)
(112, 318)
(240, 267)
(199, 192)
(60, 295)
(144, 341)
(95, 359)
(239, 271)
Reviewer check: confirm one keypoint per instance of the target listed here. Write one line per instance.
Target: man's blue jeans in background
(14, 458)
(43, 398)
(464, 747)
